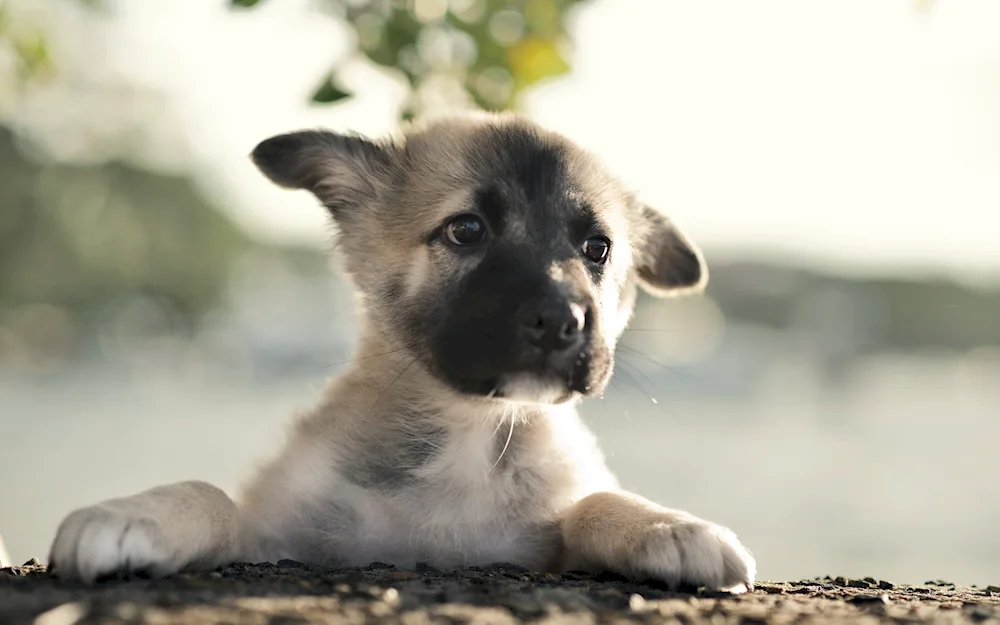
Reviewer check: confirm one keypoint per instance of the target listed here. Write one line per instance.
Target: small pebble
(636, 602)
(391, 596)
(981, 613)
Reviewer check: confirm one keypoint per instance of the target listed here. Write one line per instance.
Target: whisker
(394, 380)
(632, 382)
(644, 391)
(653, 329)
(631, 375)
(345, 308)
(631, 350)
(359, 359)
(510, 435)
(497, 428)
(638, 371)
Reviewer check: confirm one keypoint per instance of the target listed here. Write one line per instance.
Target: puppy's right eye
(465, 230)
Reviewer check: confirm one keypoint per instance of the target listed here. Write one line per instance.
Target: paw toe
(739, 567)
(697, 553)
(94, 543)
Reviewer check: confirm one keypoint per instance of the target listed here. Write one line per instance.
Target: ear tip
(693, 272)
(269, 150)
(279, 158)
(682, 272)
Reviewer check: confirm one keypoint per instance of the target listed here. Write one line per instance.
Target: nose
(553, 324)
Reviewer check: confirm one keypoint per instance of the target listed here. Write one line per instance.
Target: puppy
(497, 265)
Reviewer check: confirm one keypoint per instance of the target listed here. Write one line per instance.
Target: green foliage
(28, 48)
(328, 91)
(492, 49)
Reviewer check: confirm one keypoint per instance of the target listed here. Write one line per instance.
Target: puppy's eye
(465, 230)
(596, 249)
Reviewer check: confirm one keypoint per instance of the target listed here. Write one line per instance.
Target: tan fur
(393, 464)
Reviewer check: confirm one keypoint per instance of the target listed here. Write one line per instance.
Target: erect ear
(340, 170)
(667, 262)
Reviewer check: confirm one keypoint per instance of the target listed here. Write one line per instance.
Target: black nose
(553, 324)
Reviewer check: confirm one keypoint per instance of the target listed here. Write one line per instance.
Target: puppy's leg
(183, 526)
(632, 536)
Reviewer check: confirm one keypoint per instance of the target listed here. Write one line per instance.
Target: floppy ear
(667, 262)
(340, 170)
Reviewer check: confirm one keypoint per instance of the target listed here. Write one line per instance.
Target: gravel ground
(292, 593)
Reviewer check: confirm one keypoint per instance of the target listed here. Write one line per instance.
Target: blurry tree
(78, 239)
(482, 53)
(81, 242)
(490, 50)
(890, 314)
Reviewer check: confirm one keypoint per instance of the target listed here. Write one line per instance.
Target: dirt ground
(293, 593)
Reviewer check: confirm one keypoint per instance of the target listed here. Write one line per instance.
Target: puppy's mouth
(541, 384)
(530, 388)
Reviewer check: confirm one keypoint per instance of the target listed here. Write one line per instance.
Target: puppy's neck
(392, 422)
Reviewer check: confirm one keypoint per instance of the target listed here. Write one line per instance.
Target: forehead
(522, 179)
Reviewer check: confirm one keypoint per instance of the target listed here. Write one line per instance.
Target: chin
(545, 387)
(527, 388)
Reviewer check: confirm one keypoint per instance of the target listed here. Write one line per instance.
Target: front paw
(698, 553)
(112, 538)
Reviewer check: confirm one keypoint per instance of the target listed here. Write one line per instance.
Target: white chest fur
(484, 493)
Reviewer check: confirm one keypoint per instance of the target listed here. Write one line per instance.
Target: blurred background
(835, 397)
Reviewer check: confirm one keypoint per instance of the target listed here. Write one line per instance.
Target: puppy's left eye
(596, 249)
(465, 230)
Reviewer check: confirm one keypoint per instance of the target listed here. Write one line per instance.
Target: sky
(851, 135)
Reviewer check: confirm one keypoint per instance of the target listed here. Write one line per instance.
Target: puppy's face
(500, 255)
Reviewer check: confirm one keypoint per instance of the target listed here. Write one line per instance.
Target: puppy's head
(502, 256)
